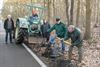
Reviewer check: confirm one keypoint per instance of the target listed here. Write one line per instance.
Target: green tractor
(28, 26)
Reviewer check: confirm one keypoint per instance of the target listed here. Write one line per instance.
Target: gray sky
(1, 4)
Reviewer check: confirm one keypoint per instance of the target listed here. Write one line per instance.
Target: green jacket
(60, 30)
(75, 37)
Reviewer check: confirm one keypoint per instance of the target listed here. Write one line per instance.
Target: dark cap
(57, 18)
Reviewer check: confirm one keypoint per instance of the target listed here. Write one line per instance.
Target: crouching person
(75, 35)
(55, 44)
(52, 38)
(56, 49)
(48, 50)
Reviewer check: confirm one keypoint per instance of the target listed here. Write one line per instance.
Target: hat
(57, 17)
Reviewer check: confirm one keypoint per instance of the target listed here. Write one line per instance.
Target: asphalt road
(12, 55)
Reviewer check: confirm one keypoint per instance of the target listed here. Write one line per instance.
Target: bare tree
(78, 12)
(71, 11)
(97, 18)
(67, 13)
(88, 20)
(49, 3)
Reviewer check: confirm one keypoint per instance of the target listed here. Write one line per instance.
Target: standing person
(44, 28)
(9, 27)
(60, 29)
(75, 35)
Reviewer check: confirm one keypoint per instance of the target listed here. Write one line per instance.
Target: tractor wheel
(20, 37)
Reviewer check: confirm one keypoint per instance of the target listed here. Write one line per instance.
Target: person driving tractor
(34, 13)
(33, 17)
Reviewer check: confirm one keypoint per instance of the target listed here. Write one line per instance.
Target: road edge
(34, 56)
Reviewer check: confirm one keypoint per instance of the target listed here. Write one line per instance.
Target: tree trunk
(44, 12)
(54, 12)
(67, 12)
(88, 20)
(78, 12)
(49, 2)
(71, 12)
(97, 18)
